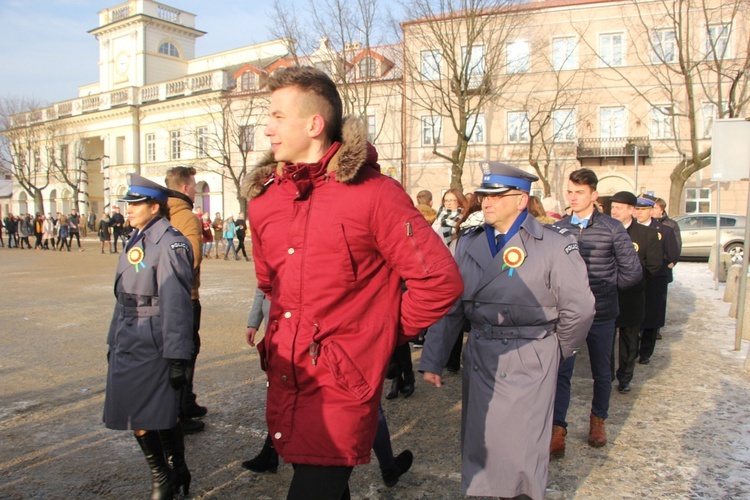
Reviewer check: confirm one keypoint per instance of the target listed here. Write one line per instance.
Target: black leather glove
(177, 373)
(108, 353)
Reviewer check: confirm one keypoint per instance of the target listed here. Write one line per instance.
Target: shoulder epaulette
(557, 229)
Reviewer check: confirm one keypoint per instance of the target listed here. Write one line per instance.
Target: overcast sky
(46, 52)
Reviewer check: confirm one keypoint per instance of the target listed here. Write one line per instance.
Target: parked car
(698, 233)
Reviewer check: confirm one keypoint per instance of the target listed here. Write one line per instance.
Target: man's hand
(434, 379)
(250, 335)
(177, 373)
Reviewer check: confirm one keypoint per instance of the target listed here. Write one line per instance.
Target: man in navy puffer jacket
(612, 263)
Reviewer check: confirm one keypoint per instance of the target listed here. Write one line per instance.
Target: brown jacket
(182, 217)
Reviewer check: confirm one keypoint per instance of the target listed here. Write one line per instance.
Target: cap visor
(134, 198)
(492, 190)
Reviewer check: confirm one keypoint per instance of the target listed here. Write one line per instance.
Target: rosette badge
(513, 257)
(135, 257)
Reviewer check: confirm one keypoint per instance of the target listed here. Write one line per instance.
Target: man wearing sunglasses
(527, 296)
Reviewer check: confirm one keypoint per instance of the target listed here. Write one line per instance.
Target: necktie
(578, 222)
(499, 240)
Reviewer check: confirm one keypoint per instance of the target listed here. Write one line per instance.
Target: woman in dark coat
(151, 337)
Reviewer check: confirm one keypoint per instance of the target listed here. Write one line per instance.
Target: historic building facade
(556, 84)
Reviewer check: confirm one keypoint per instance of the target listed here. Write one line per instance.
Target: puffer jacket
(332, 243)
(611, 260)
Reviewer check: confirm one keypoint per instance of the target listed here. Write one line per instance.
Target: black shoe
(658, 335)
(195, 411)
(173, 443)
(644, 361)
(623, 388)
(190, 426)
(453, 367)
(407, 385)
(401, 464)
(393, 393)
(419, 343)
(266, 461)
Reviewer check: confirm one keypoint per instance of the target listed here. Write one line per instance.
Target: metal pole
(635, 163)
(718, 235)
(743, 286)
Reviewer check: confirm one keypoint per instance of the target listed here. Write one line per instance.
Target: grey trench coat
(522, 323)
(151, 324)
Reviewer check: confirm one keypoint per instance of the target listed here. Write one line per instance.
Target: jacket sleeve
(569, 283)
(174, 277)
(440, 338)
(193, 231)
(256, 311)
(413, 250)
(629, 272)
(671, 249)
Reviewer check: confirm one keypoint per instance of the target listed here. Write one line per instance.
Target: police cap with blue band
(499, 177)
(645, 201)
(141, 189)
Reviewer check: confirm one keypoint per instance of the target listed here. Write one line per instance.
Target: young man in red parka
(333, 239)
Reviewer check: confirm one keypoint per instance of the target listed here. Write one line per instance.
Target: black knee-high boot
(162, 481)
(173, 442)
(266, 461)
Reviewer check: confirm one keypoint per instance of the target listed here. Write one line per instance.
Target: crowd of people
(351, 272)
(49, 232)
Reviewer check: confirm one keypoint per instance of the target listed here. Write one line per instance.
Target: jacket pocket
(345, 372)
(344, 255)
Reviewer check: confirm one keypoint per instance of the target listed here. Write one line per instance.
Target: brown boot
(597, 436)
(557, 446)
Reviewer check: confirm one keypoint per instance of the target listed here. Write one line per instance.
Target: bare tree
(224, 143)
(694, 52)
(21, 148)
(457, 63)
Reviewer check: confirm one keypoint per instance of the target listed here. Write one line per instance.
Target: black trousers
(628, 345)
(648, 342)
(188, 395)
(241, 246)
(78, 238)
(317, 482)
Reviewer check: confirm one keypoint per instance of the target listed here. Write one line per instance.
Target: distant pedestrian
(218, 226)
(241, 228)
(208, 235)
(49, 232)
(62, 233)
(105, 235)
(74, 223)
(230, 232)
(117, 222)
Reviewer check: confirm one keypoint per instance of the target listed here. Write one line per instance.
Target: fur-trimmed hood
(354, 154)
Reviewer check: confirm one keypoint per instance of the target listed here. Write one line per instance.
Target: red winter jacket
(332, 243)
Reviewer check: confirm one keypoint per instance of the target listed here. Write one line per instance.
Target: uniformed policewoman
(151, 337)
(527, 295)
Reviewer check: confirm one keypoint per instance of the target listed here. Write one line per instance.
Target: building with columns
(551, 84)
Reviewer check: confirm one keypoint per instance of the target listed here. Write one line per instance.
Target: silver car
(698, 233)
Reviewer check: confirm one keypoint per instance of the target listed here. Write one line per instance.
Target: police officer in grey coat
(527, 295)
(151, 337)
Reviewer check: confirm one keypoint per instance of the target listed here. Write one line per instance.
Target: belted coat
(151, 324)
(524, 319)
(332, 243)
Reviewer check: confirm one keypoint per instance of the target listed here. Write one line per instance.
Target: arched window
(169, 49)
(202, 198)
(53, 202)
(23, 207)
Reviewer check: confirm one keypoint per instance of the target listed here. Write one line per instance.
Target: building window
(372, 127)
(36, 159)
(564, 125)
(431, 130)
(175, 145)
(474, 62)
(247, 138)
(169, 49)
(611, 49)
(612, 122)
(564, 53)
(517, 56)
(64, 155)
(150, 148)
(367, 67)
(518, 126)
(475, 127)
(247, 81)
(717, 41)
(698, 200)
(709, 111)
(663, 46)
(431, 60)
(201, 136)
(661, 122)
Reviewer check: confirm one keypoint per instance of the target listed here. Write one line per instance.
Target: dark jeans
(241, 246)
(628, 353)
(599, 343)
(318, 482)
(382, 445)
(78, 238)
